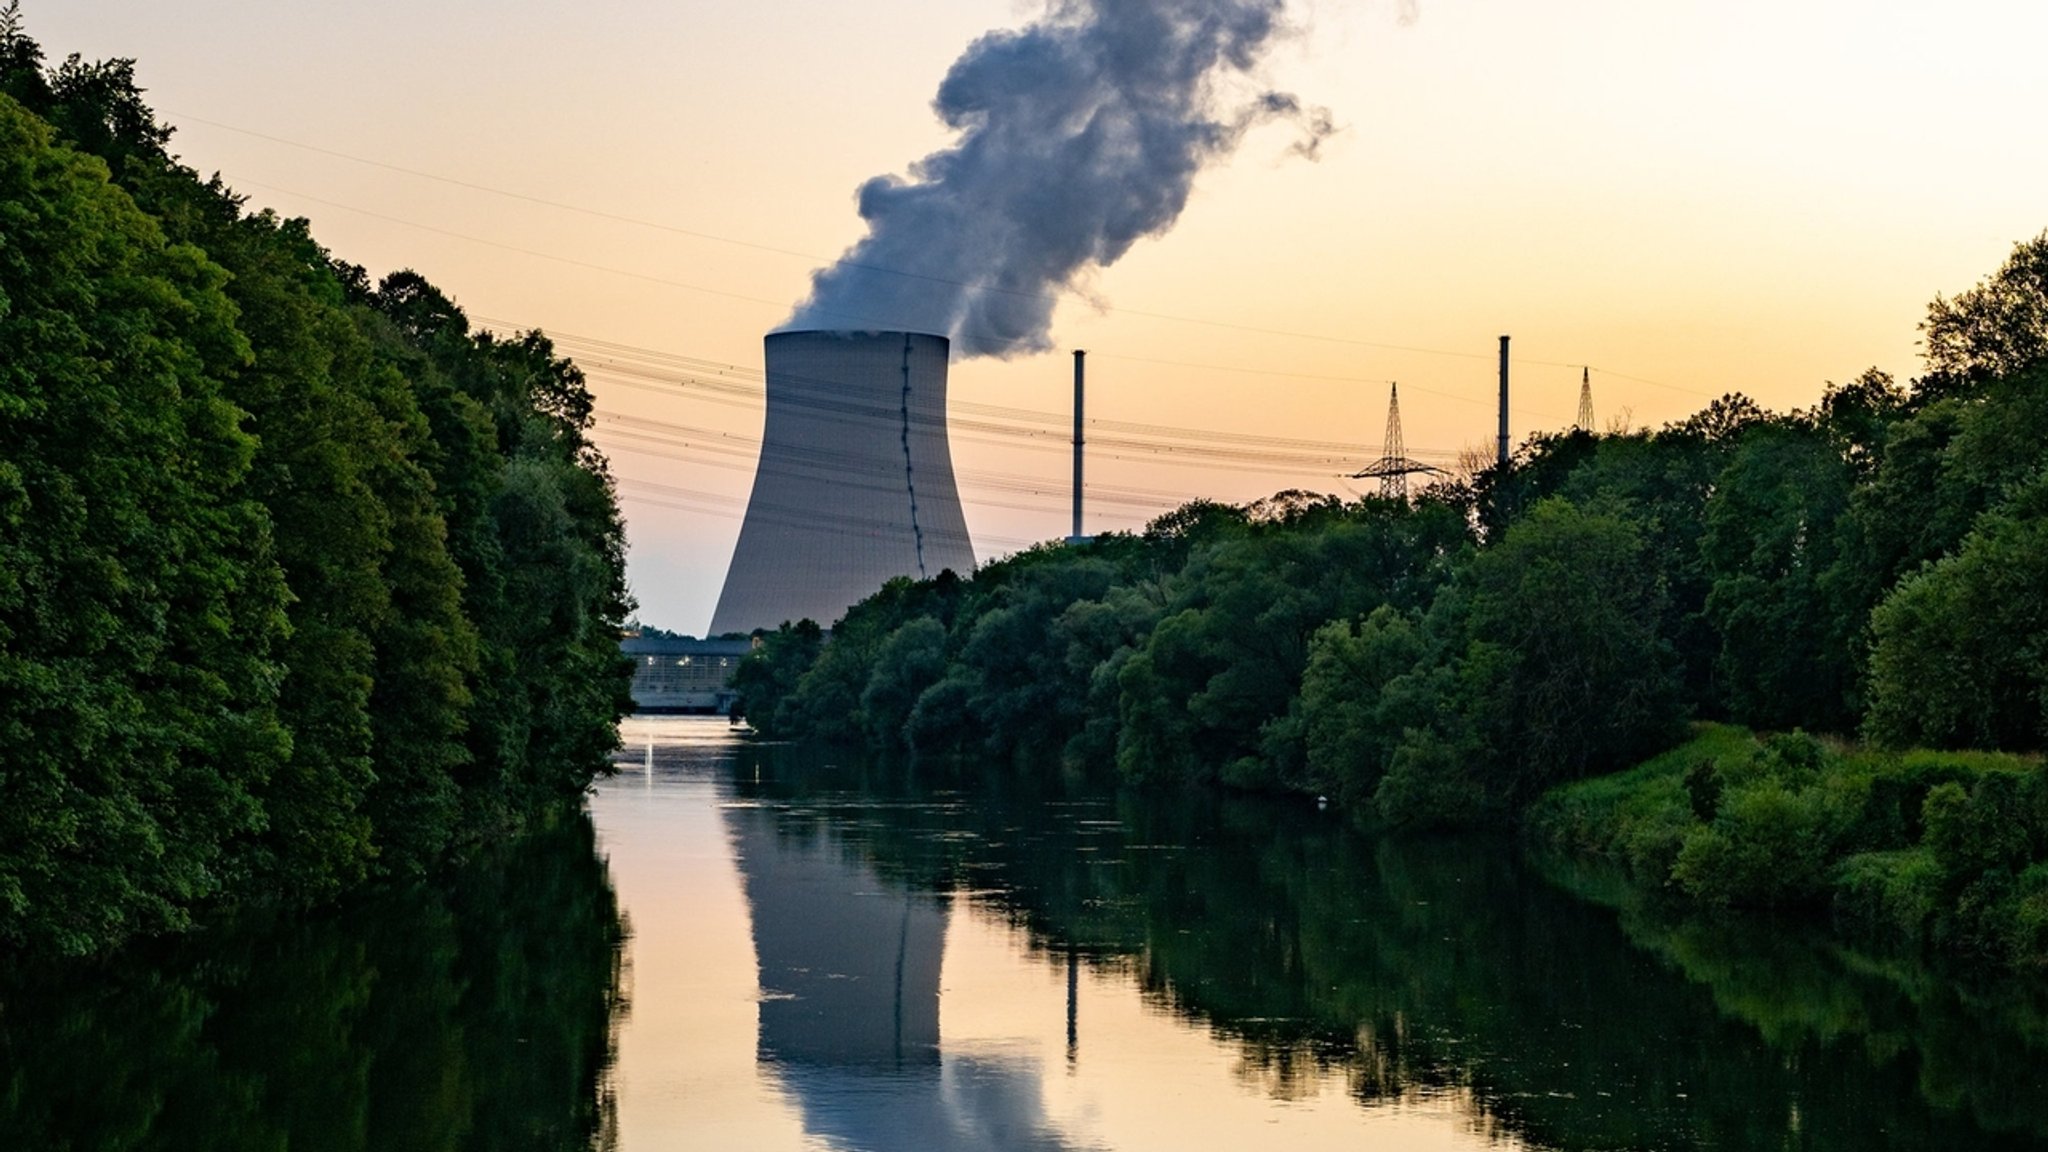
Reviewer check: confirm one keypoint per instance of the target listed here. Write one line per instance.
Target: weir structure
(855, 481)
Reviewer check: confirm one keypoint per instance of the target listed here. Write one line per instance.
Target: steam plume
(1079, 134)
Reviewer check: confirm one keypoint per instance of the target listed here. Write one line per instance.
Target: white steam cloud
(1079, 134)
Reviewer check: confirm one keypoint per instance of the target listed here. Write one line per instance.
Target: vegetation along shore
(303, 582)
(1866, 578)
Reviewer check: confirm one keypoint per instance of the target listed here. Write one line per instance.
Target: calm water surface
(774, 948)
(831, 954)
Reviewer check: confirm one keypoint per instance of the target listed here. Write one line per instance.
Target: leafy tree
(1539, 469)
(1562, 672)
(1911, 510)
(827, 703)
(1960, 657)
(1661, 482)
(910, 661)
(1996, 329)
(361, 570)
(1352, 726)
(1770, 540)
(1858, 418)
(1210, 691)
(139, 603)
(1013, 685)
(768, 676)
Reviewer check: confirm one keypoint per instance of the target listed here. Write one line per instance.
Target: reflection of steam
(849, 1008)
(1079, 135)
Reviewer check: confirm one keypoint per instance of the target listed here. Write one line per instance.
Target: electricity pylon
(1392, 468)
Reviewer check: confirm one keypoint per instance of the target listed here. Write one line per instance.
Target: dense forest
(1873, 569)
(302, 580)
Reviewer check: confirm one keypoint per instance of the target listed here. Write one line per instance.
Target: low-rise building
(677, 675)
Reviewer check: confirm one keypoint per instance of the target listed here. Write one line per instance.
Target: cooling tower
(855, 482)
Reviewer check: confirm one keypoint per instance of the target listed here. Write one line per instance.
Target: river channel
(747, 947)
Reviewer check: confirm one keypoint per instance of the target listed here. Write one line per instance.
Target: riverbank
(305, 583)
(1940, 850)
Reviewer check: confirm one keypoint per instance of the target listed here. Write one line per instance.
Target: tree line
(302, 580)
(1874, 566)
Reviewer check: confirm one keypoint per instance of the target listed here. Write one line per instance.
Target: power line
(580, 209)
(569, 260)
(978, 286)
(715, 443)
(743, 381)
(1290, 454)
(612, 348)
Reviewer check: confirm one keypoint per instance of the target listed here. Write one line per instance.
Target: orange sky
(1688, 196)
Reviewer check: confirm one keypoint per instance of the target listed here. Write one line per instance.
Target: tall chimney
(1503, 456)
(1080, 357)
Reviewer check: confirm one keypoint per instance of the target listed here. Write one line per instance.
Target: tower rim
(852, 332)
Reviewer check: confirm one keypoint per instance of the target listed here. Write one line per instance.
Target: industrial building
(679, 675)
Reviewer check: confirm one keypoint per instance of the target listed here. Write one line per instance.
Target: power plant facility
(855, 480)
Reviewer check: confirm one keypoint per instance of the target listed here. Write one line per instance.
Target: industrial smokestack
(855, 481)
(1503, 457)
(1080, 358)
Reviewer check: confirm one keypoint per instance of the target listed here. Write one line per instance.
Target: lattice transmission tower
(1393, 468)
(1585, 400)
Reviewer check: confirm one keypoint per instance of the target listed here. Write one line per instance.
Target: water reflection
(476, 1012)
(849, 1002)
(1436, 970)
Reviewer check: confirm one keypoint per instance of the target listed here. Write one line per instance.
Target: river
(744, 947)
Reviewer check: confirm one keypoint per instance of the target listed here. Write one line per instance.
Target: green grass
(1915, 848)
(1638, 817)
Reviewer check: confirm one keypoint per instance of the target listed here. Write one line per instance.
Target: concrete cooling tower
(855, 482)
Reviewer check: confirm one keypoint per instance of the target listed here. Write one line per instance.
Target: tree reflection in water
(477, 1011)
(1437, 967)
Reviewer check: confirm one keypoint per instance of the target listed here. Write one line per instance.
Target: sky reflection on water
(778, 948)
(746, 901)
(830, 953)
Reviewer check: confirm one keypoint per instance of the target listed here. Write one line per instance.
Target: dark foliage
(301, 581)
(1874, 562)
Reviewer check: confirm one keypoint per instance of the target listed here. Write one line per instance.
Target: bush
(1640, 817)
(1892, 817)
(1435, 782)
(1888, 895)
(1978, 831)
(1769, 846)
(2029, 936)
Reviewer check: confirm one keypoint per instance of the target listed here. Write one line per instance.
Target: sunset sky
(1689, 197)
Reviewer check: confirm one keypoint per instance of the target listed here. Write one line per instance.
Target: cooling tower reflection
(849, 1012)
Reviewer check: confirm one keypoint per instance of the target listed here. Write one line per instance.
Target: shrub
(2030, 919)
(1433, 782)
(1888, 895)
(1770, 846)
(1978, 831)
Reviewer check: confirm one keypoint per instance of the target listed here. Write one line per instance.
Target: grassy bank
(1947, 850)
